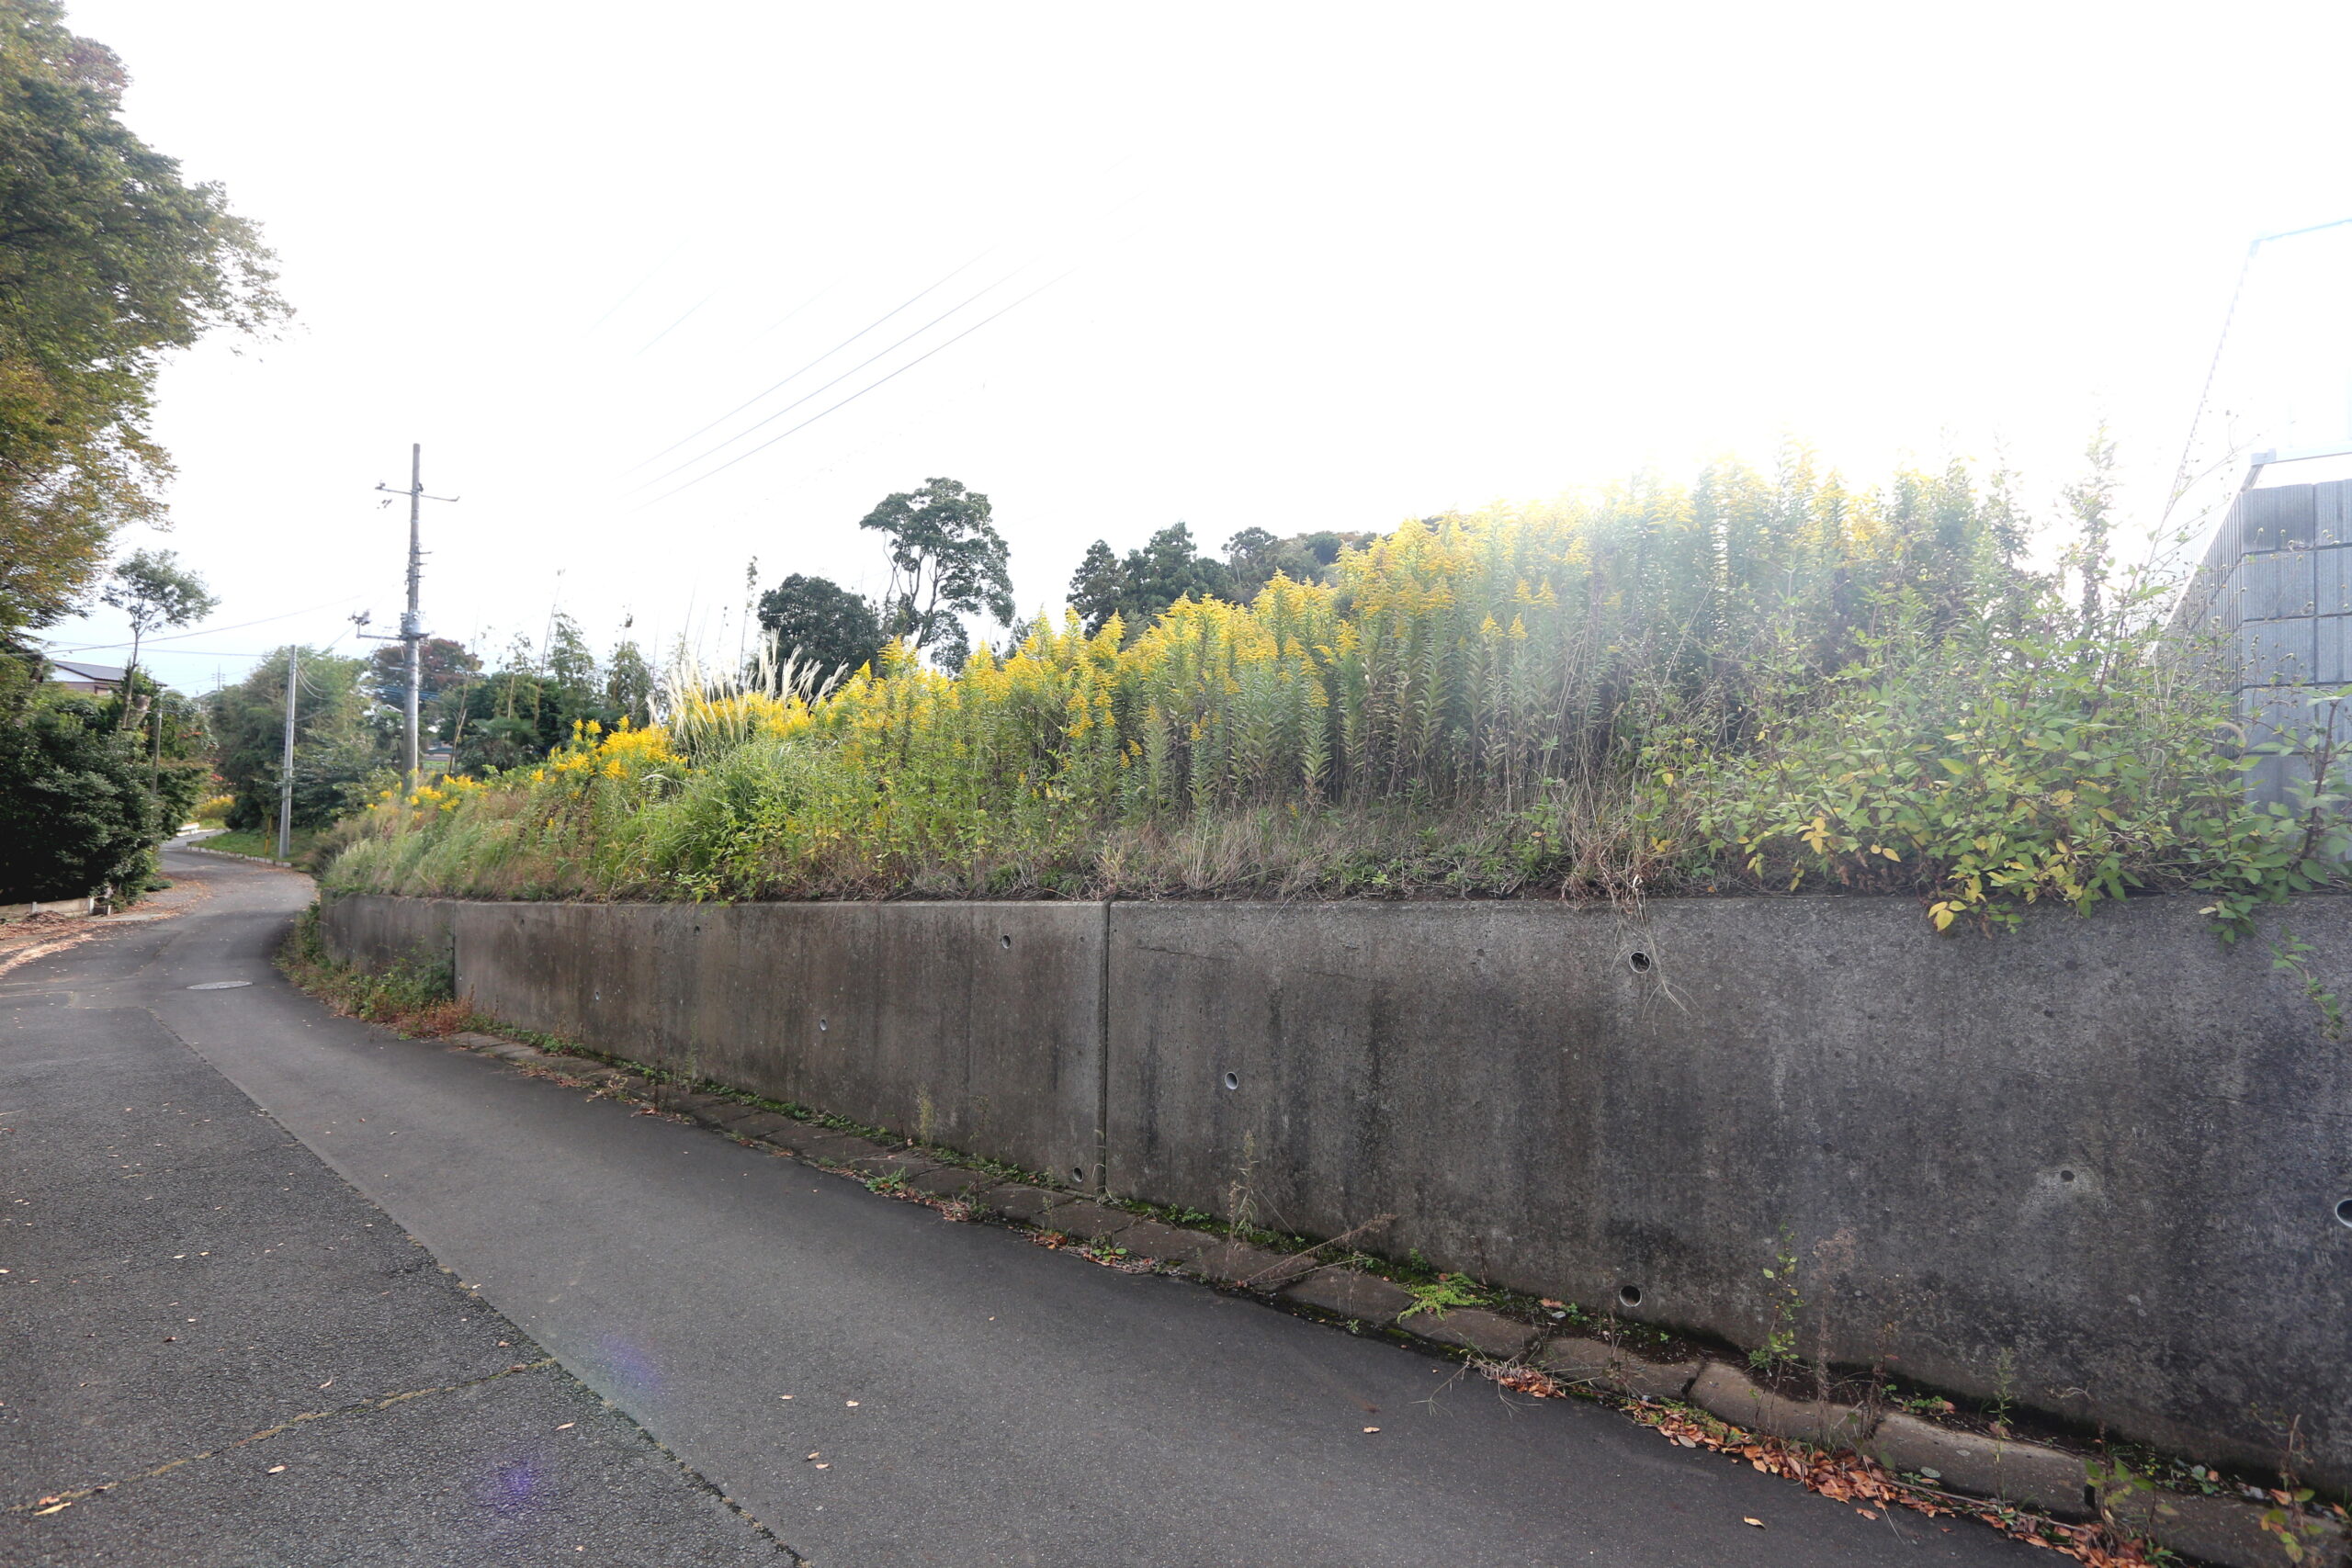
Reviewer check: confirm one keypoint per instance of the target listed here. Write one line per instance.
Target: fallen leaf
(1372, 1428)
(1757, 1523)
(824, 1467)
(53, 1508)
(1865, 1513)
(274, 1469)
(329, 1383)
(851, 1402)
(567, 1427)
(813, 1453)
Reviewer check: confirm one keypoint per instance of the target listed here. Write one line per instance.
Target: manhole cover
(220, 985)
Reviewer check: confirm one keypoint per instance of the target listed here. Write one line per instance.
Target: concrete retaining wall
(975, 1025)
(2095, 1166)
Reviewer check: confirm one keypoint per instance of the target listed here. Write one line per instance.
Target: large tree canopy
(442, 666)
(108, 260)
(946, 562)
(1151, 579)
(337, 753)
(820, 623)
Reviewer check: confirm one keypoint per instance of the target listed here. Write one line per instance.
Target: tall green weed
(1750, 684)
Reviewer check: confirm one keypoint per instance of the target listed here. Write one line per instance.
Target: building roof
(74, 670)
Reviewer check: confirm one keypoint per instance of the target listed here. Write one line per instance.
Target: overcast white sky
(1301, 266)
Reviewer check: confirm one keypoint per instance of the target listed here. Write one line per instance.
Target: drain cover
(220, 985)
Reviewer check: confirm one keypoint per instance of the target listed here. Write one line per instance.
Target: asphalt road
(226, 1208)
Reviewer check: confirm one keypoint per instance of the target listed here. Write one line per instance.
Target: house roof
(74, 670)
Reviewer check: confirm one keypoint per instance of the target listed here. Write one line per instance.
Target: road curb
(231, 855)
(2226, 1531)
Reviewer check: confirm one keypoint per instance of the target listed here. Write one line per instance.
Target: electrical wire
(2180, 482)
(630, 292)
(852, 337)
(681, 321)
(788, 316)
(814, 392)
(894, 375)
(207, 631)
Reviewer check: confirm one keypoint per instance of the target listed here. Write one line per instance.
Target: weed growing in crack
(2004, 1377)
(1779, 1346)
(1442, 1295)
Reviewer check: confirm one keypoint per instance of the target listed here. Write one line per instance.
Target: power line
(2180, 484)
(788, 316)
(630, 292)
(681, 321)
(894, 375)
(881, 353)
(207, 631)
(852, 337)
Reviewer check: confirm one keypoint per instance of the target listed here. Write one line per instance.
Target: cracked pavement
(232, 1251)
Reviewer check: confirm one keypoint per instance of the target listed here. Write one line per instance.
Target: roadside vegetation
(109, 262)
(1756, 682)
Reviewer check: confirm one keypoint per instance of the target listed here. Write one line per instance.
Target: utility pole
(412, 627)
(286, 767)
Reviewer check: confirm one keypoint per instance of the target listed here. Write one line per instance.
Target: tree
(527, 706)
(442, 666)
(1255, 557)
(153, 590)
(946, 562)
(1141, 588)
(629, 683)
(1096, 586)
(821, 623)
(337, 756)
(107, 261)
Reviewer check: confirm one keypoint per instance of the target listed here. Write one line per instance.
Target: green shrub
(76, 814)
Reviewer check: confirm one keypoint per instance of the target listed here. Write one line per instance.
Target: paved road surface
(225, 1210)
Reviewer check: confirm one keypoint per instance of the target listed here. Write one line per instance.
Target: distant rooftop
(80, 673)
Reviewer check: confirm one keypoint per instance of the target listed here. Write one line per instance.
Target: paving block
(2050, 1481)
(1596, 1363)
(891, 1162)
(1729, 1394)
(1168, 1244)
(731, 1114)
(1238, 1263)
(836, 1148)
(951, 1181)
(774, 1128)
(1024, 1204)
(2221, 1529)
(1474, 1329)
(1351, 1292)
(1087, 1221)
